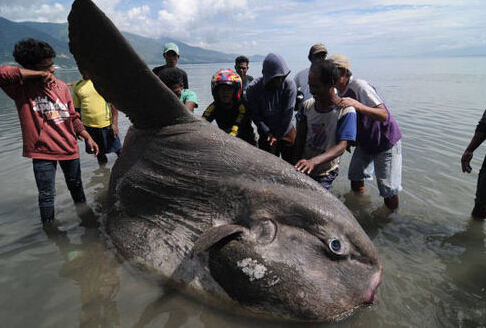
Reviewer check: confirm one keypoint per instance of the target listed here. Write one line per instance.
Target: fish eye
(335, 246)
(264, 231)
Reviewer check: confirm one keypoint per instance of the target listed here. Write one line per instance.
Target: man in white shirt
(301, 79)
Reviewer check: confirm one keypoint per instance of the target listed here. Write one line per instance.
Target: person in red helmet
(227, 108)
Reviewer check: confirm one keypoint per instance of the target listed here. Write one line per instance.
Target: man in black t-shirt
(171, 55)
(241, 67)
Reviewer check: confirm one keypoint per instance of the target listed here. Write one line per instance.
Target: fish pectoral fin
(214, 235)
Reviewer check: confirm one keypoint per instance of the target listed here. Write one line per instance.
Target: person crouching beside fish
(48, 121)
(173, 79)
(323, 129)
(227, 109)
(271, 101)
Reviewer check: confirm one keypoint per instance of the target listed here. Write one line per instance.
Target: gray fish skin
(212, 215)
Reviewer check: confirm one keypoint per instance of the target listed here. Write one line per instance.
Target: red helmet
(227, 76)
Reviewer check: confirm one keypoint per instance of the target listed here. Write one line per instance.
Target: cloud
(188, 17)
(34, 11)
(375, 28)
(364, 28)
(20, 3)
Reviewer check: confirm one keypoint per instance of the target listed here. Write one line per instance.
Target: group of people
(334, 111)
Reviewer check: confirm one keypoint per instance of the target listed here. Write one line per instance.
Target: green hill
(150, 50)
(11, 32)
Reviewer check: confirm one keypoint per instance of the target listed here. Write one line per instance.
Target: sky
(368, 28)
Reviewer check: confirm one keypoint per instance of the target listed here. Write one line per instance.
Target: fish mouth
(375, 282)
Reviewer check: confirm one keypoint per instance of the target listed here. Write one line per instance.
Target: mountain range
(56, 34)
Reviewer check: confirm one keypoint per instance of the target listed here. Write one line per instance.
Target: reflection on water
(92, 269)
(371, 218)
(99, 184)
(88, 263)
(168, 304)
(464, 256)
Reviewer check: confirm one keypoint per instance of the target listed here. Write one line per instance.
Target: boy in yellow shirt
(99, 118)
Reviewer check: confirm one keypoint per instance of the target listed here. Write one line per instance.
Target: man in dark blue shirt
(271, 102)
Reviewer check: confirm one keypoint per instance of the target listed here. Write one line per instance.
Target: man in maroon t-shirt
(48, 121)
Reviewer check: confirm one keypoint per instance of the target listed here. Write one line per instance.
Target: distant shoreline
(57, 66)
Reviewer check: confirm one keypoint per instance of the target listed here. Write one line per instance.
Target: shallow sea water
(433, 252)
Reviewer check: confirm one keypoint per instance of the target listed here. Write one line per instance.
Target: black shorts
(105, 140)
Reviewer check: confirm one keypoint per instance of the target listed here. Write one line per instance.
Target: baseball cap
(340, 61)
(317, 48)
(171, 47)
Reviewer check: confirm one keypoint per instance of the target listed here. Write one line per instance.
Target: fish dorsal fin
(118, 73)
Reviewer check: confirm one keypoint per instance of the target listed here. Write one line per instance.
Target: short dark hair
(328, 71)
(341, 70)
(29, 52)
(241, 59)
(171, 76)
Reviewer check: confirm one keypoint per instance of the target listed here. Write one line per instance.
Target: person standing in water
(271, 101)
(317, 52)
(228, 109)
(48, 121)
(99, 118)
(171, 55)
(173, 79)
(324, 130)
(241, 66)
(479, 210)
(378, 140)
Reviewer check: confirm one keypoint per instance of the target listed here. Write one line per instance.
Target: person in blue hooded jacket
(271, 102)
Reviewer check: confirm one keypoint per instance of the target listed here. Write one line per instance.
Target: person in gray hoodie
(271, 102)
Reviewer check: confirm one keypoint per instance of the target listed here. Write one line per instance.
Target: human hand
(114, 130)
(305, 165)
(93, 146)
(348, 147)
(466, 160)
(271, 139)
(347, 102)
(49, 79)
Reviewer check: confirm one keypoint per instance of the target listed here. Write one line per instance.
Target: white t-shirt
(324, 130)
(302, 82)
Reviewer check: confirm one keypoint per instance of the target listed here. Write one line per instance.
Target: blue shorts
(104, 139)
(387, 166)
